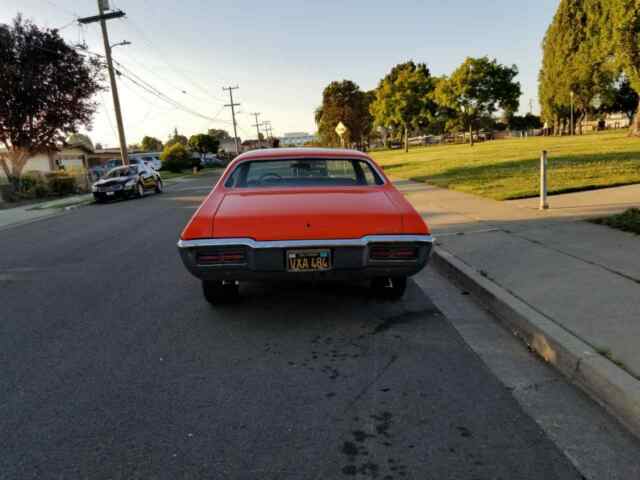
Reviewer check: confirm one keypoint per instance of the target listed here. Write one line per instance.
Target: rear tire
(389, 288)
(217, 292)
(159, 186)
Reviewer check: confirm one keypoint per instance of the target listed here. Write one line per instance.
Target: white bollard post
(543, 181)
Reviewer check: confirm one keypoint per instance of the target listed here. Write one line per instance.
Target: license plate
(109, 193)
(316, 260)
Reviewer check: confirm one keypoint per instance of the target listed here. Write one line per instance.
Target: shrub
(8, 193)
(175, 158)
(33, 185)
(61, 183)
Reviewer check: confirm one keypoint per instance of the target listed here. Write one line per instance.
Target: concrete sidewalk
(585, 278)
(29, 213)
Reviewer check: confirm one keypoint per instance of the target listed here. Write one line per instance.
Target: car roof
(271, 153)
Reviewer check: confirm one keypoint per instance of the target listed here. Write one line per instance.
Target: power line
(144, 38)
(108, 115)
(143, 84)
(54, 4)
(134, 78)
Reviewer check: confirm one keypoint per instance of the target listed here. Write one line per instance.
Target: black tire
(389, 288)
(219, 293)
(159, 186)
(139, 190)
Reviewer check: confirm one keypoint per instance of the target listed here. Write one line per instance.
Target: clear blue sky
(283, 53)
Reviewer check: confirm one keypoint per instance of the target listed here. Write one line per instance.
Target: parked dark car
(211, 162)
(127, 182)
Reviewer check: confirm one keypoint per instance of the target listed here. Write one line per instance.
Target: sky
(282, 53)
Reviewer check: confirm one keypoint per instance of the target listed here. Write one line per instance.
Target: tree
(343, 102)
(625, 43)
(404, 100)
(478, 88)
(151, 144)
(218, 134)
(46, 92)
(624, 99)
(579, 62)
(203, 143)
(177, 138)
(523, 123)
(175, 158)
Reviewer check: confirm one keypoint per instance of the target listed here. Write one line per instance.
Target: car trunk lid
(306, 215)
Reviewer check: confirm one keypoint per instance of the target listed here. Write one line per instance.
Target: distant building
(228, 145)
(296, 139)
(610, 120)
(73, 154)
(254, 145)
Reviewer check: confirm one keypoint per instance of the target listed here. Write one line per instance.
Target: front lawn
(509, 169)
(167, 175)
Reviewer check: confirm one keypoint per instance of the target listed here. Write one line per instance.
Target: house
(228, 145)
(297, 139)
(72, 155)
(254, 145)
(610, 120)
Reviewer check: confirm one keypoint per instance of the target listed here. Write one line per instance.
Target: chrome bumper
(265, 260)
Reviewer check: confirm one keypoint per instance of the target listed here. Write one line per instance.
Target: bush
(33, 185)
(8, 193)
(175, 158)
(61, 183)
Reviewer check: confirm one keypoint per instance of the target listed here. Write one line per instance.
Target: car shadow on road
(290, 305)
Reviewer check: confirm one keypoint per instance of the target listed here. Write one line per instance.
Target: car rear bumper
(115, 195)
(267, 260)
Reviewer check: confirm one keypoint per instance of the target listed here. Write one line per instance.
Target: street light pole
(572, 130)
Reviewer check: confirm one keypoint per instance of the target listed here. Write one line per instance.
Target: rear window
(301, 172)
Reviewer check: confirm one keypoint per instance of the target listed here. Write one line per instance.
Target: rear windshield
(301, 172)
(123, 172)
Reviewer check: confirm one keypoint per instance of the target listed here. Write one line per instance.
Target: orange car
(304, 213)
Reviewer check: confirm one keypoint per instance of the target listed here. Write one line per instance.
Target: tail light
(222, 256)
(393, 252)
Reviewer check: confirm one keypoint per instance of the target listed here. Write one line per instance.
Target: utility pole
(257, 124)
(531, 106)
(267, 127)
(233, 114)
(102, 18)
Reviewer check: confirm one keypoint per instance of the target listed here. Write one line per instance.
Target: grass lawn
(628, 221)
(508, 169)
(167, 175)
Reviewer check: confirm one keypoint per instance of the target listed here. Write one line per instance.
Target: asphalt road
(114, 366)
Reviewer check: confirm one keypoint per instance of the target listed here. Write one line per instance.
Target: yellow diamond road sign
(341, 129)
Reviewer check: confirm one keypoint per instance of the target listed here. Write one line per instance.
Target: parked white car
(150, 159)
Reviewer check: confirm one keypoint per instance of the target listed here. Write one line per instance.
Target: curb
(609, 385)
